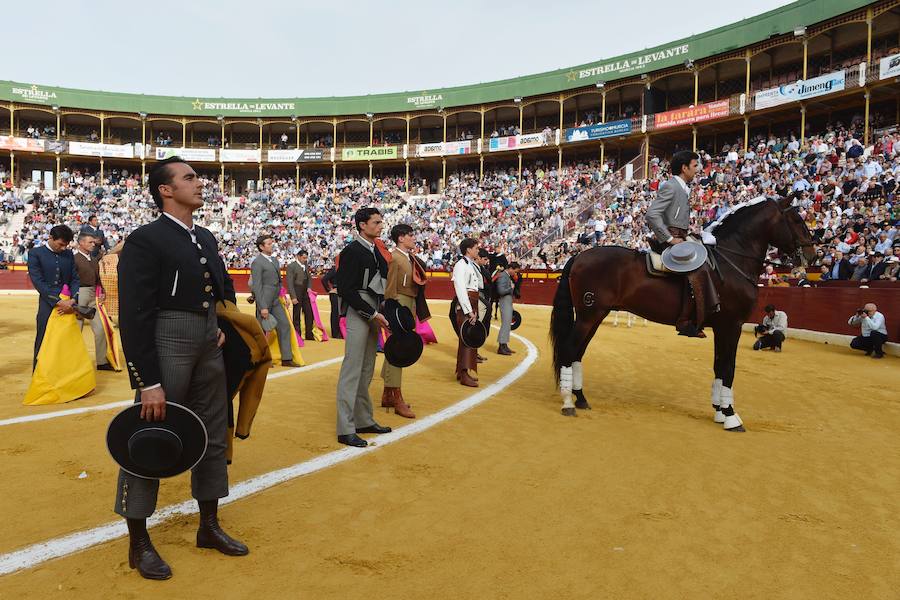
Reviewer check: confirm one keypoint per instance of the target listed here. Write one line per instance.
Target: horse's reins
(763, 261)
(752, 280)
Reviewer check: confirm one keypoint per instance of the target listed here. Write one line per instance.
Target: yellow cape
(112, 338)
(64, 371)
(273, 338)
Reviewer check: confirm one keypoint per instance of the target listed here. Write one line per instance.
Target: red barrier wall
(825, 308)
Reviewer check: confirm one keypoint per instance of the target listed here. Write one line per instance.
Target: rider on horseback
(669, 218)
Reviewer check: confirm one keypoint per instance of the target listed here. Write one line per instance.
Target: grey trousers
(506, 310)
(354, 406)
(283, 330)
(193, 374)
(393, 376)
(87, 296)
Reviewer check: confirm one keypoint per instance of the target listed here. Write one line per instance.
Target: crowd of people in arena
(846, 194)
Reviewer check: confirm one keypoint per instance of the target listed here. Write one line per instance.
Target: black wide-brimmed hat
(473, 335)
(399, 318)
(403, 349)
(516, 320)
(157, 449)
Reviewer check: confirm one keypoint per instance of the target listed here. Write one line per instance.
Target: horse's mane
(727, 223)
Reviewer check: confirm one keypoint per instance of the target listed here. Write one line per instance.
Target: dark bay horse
(608, 278)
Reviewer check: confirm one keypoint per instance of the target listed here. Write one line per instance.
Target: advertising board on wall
(369, 153)
(692, 114)
(104, 150)
(188, 154)
(801, 90)
(239, 155)
(598, 131)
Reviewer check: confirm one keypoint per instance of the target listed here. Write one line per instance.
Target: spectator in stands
(863, 270)
(841, 268)
(873, 331)
(772, 331)
(876, 268)
(892, 269)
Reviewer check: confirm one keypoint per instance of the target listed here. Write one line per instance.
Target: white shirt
(777, 323)
(466, 277)
(683, 185)
(869, 324)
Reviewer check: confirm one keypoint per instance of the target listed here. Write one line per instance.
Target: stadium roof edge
(716, 41)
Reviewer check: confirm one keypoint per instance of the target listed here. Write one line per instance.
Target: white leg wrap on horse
(565, 386)
(716, 391)
(717, 401)
(726, 397)
(727, 401)
(577, 376)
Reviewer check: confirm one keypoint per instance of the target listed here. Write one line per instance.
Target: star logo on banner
(197, 104)
(570, 76)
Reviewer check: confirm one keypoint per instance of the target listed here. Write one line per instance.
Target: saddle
(656, 268)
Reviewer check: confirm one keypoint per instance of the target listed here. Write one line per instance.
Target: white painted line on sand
(36, 554)
(124, 403)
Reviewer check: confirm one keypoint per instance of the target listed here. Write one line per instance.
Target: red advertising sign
(8, 142)
(696, 114)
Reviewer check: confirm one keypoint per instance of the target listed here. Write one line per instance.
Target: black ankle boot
(141, 553)
(210, 534)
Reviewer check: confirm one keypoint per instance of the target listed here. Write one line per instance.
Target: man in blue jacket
(50, 267)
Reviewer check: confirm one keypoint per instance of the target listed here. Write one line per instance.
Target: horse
(609, 278)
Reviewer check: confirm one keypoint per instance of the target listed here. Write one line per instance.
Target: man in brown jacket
(402, 287)
(298, 281)
(88, 267)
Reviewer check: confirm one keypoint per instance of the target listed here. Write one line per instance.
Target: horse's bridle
(797, 245)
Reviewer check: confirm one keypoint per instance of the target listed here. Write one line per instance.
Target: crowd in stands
(846, 193)
(39, 131)
(847, 197)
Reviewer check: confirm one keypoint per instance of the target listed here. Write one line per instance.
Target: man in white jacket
(467, 280)
(772, 330)
(873, 329)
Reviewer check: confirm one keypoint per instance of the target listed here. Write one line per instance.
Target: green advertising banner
(673, 54)
(370, 153)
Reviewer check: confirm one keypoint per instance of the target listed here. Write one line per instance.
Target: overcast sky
(301, 48)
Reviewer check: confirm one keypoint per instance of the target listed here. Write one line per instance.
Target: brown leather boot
(400, 407)
(466, 379)
(210, 534)
(504, 350)
(141, 553)
(387, 397)
(691, 308)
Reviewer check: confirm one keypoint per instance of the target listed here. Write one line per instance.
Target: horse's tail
(562, 319)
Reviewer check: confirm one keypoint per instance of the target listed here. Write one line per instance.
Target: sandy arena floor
(643, 497)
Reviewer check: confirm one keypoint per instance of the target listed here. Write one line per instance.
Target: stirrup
(691, 330)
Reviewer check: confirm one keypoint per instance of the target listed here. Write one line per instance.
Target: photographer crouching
(873, 329)
(772, 330)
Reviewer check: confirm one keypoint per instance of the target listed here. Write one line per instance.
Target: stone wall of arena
(818, 309)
